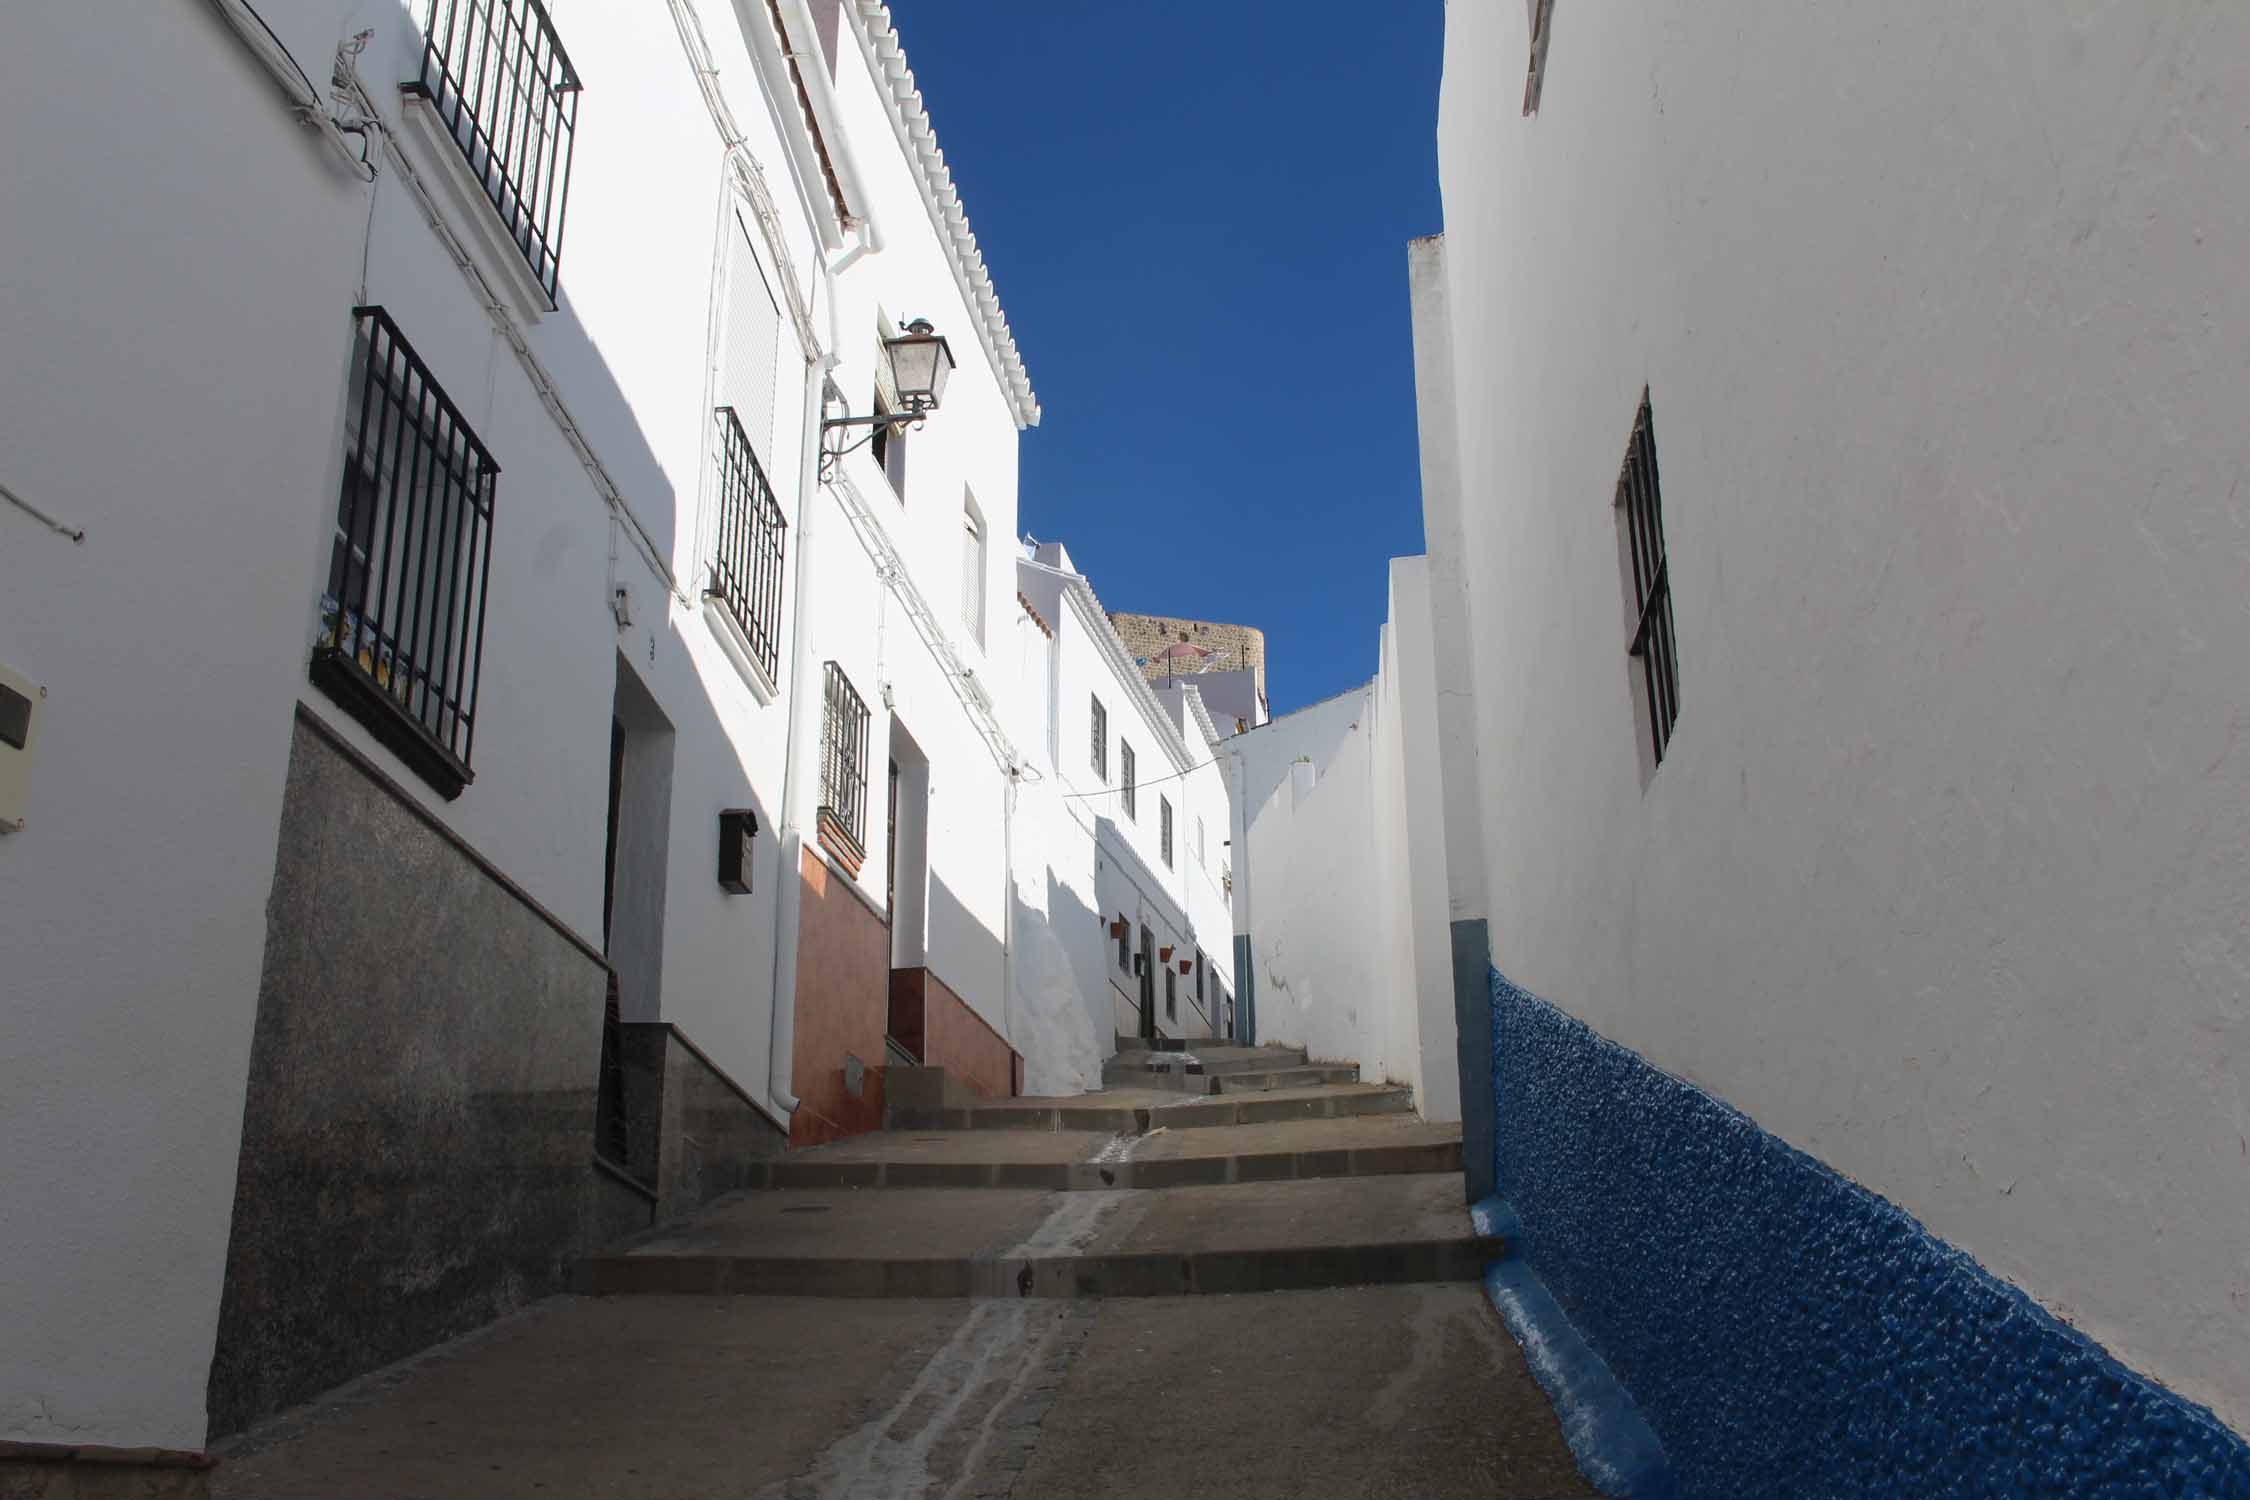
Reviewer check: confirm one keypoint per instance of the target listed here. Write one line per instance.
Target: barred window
(1640, 511)
(1171, 994)
(1101, 741)
(843, 768)
(401, 637)
(1164, 828)
(498, 76)
(746, 560)
(1128, 793)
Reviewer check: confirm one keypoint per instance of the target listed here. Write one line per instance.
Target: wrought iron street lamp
(920, 361)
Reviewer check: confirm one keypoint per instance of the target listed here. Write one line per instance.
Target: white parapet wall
(1345, 908)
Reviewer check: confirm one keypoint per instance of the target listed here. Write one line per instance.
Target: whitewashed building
(1128, 823)
(427, 621)
(1833, 459)
(1340, 897)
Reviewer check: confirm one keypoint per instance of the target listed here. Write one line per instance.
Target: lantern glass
(920, 362)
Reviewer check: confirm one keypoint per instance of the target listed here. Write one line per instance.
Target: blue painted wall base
(1785, 1332)
(1607, 1434)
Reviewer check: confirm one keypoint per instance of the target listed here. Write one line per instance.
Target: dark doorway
(609, 1100)
(609, 853)
(890, 846)
(1148, 984)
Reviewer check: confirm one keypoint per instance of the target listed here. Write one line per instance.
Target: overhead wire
(1138, 784)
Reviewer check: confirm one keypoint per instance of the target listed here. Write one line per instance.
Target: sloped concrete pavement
(1312, 1328)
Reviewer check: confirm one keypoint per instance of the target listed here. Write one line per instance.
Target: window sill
(840, 845)
(439, 155)
(347, 686)
(737, 647)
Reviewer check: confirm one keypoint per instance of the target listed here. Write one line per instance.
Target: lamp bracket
(873, 422)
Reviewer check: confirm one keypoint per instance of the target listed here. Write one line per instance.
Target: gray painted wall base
(692, 1133)
(1472, 1020)
(418, 1125)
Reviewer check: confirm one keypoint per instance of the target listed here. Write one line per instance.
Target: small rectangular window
(1101, 741)
(972, 570)
(1542, 20)
(1171, 994)
(1164, 821)
(1641, 512)
(401, 637)
(1124, 943)
(888, 445)
(1125, 772)
(843, 769)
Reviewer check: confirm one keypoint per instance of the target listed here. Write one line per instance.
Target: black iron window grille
(746, 562)
(1640, 503)
(1128, 793)
(401, 639)
(1171, 994)
(843, 759)
(498, 76)
(1101, 741)
(1164, 828)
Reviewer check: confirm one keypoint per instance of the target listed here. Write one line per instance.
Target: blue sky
(1197, 216)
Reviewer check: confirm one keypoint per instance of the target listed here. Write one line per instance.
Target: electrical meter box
(20, 701)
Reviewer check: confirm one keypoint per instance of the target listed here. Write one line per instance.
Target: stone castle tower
(1166, 647)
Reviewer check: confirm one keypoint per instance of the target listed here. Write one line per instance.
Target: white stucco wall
(132, 904)
(1346, 905)
(1943, 314)
(193, 422)
(1103, 864)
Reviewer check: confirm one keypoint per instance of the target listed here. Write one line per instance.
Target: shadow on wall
(956, 1035)
(1059, 1018)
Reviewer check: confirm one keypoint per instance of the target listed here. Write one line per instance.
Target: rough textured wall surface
(417, 1141)
(1147, 637)
(1787, 1332)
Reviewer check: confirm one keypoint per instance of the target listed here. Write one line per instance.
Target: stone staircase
(1208, 1067)
(965, 1306)
(1133, 1191)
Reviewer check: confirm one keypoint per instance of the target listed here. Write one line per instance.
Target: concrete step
(1368, 1146)
(1331, 1102)
(1285, 1078)
(943, 1242)
(1134, 1111)
(1139, 1068)
(1152, 1044)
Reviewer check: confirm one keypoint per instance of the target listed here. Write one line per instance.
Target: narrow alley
(1565, 812)
(1270, 1289)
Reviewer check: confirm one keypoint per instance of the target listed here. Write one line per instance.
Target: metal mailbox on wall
(737, 826)
(20, 700)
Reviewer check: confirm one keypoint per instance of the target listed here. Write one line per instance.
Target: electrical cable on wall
(76, 533)
(295, 84)
(1108, 791)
